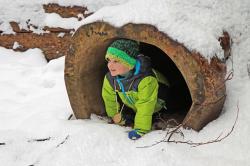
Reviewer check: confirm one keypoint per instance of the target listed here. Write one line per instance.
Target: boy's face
(116, 68)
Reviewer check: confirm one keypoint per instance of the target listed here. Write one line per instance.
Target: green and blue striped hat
(125, 51)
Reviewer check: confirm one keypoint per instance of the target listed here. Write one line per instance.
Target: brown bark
(50, 43)
(85, 66)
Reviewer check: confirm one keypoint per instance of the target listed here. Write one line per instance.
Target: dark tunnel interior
(178, 95)
(179, 98)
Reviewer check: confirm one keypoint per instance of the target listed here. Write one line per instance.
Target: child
(132, 80)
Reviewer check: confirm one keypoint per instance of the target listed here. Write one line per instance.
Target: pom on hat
(125, 51)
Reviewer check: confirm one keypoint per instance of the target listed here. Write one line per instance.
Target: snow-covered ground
(34, 103)
(21, 10)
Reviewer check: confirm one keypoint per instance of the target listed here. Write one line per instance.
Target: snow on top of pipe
(197, 24)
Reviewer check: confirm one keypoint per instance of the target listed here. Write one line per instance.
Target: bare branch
(70, 116)
(174, 131)
(62, 141)
(191, 143)
(219, 138)
(177, 129)
(39, 139)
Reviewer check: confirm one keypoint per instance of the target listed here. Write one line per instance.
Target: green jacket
(140, 94)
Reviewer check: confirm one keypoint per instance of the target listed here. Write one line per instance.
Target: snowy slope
(34, 103)
(21, 10)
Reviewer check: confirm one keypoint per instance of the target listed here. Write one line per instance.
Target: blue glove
(135, 134)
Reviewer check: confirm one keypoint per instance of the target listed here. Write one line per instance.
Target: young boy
(132, 80)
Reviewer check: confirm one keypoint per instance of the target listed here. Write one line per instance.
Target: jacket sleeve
(145, 105)
(109, 98)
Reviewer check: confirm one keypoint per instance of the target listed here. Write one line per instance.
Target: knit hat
(125, 51)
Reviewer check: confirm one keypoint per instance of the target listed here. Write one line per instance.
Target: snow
(35, 105)
(203, 21)
(22, 11)
(16, 45)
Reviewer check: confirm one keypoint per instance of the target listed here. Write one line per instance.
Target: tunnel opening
(179, 99)
(189, 73)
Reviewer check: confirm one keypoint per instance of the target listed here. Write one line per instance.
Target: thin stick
(39, 139)
(70, 116)
(195, 144)
(62, 141)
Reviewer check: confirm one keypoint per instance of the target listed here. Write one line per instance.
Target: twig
(174, 131)
(51, 149)
(177, 130)
(166, 123)
(70, 116)
(62, 141)
(149, 146)
(2, 143)
(218, 139)
(229, 77)
(195, 144)
(39, 139)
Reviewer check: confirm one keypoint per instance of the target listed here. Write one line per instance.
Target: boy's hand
(135, 134)
(118, 119)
